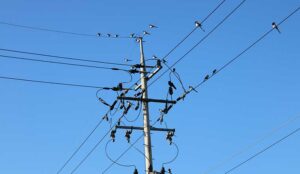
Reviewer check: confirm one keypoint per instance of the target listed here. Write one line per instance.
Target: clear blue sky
(41, 125)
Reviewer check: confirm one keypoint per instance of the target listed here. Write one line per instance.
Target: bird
(99, 34)
(162, 171)
(116, 35)
(108, 35)
(171, 84)
(135, 171)
(275, 26)
(170, 171)
(146, 33)
(198, 24)
(127, 60)
(152, 26)
(154, 57)
(206, 77)
(132, 35)
(214, 71)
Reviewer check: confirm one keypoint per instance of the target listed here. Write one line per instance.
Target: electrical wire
(113, 161)
(248, 48)
(262, 151)
(189, 34)
(51, 83)
(176, 156)
(63, 32)
(80, 146)
(63, 57)
(198, 43)
(61, 63)
(236, 154)
(95, 147)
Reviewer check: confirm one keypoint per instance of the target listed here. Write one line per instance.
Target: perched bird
(169, 170)
(146, 33)
(154, 57)
(152, 26)
(135, 171)
(171, 84)
(214, 71)
(198, 24)
(99, 34)
(108, 35)
(132, 35)
(116, 35)
(162, 171)
(127, 60)
(275, 26)
(206, 77)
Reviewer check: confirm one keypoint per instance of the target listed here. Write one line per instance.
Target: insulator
(127, 135)
(170, 90)
(104, 102)
(169, 171)
(113, 105)
(137, 106)
(113, 135)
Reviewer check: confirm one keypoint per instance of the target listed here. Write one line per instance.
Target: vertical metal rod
(147, 134)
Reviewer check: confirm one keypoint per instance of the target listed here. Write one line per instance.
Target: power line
(60, 63)
(51, 83)
(80, 146)
(262, 151)
(190, 33)
(156, 121)
(99, 35)
(248, 48)
(63, 57)
(236, 154)
(198, 43)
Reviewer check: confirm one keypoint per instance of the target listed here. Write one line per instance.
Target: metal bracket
(147, 100)
(142, 128)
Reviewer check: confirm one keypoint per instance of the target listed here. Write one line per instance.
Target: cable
(262, 151)
(198, 43)
(61, 63)
(63, 57)
(94, 147)
(80, 146)
(113, 161)
(64, 32)
(52, 83)
(177, 153)
(189, 34)
(234, 155)
(248, 48)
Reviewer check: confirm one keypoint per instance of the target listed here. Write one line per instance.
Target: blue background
(41, 125)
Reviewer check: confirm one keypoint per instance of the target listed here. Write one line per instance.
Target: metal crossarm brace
(147, 100)
(142, 128)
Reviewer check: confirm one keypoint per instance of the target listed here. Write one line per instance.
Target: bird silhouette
(170, 171)
(152, 26)
(132, 35)
(171, 84)
(108, 35)
(135, 171)
(198, 24)
(116, 35)
(275, 26)
(99, 34)
(127, 60)
(214, 71)
(146, 33)
(206, 77)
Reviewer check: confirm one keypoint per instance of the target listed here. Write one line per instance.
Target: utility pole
(147, 128)
(145, 107)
